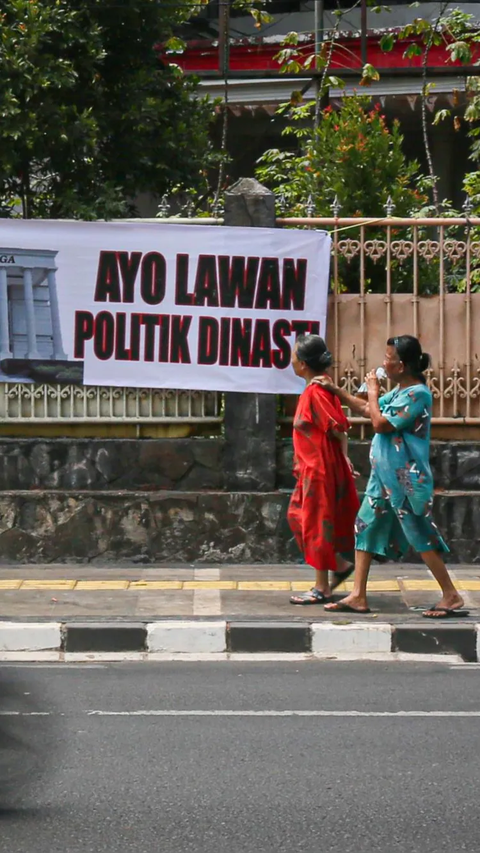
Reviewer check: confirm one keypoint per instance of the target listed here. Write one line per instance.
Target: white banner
(160, 305)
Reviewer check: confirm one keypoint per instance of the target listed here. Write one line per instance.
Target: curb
(217, 637)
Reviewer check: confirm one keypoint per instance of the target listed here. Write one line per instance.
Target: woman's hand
(373, 384)
(326, 383)
(351, 467)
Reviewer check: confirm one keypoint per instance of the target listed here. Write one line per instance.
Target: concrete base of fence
(70, 640)
(181, 527)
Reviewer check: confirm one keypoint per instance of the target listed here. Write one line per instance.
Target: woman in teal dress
(397, 509)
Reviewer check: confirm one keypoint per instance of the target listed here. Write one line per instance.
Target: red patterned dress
(324, 504)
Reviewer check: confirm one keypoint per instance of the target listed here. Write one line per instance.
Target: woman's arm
(379, 423)
(342, 437)
(367, 409)
(357, 405)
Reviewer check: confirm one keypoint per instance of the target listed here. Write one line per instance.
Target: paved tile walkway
(63, 592)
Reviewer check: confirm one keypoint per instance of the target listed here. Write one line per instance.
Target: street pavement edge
(213, 637)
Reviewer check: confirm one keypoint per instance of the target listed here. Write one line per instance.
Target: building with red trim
(256, 86)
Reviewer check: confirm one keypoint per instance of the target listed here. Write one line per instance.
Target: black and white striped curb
(215, 637)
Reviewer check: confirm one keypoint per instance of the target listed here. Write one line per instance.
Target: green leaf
(290, 38)
(413, 50)
(441, 115)
(460, 51)
(175, 45)
(369, 75)
(335, 82)
(387, 42)
(472, 113)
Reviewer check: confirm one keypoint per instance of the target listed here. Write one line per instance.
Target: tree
(351, 160)
(89, 113)
(351, 157)
(458, 31)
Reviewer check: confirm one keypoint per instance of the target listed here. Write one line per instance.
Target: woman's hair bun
(312, 349)
(425, 360)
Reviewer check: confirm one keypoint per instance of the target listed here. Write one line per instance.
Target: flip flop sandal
(340, 607)
(341, 576)
(446, 613)
(314, 596)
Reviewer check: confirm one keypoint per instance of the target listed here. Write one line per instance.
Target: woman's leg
(450, 598)
(342, 564)
(321, 583)
(425, 538)
(358, 596)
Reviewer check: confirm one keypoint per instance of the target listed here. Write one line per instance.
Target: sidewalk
(74, 612)
(67, 592)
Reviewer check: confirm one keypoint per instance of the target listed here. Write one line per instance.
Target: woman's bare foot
(353, 601)
(447, 602)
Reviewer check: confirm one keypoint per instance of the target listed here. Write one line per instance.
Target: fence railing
(395, 276)
(32, 403)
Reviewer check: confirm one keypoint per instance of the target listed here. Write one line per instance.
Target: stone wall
(174, 527)
(190, 464)
(455, 464)
(102, 464)
(168, 501)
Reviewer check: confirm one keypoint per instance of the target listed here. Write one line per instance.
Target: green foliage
(89, 115)
(458, 30)
(355, 159)
(352, 156)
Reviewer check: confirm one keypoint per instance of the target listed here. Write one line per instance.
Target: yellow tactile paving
(242, 586)
(209, 585)
(48, 584)
(10, 584)
(265, 585)
(92, 586)
(155, 585)
(378, 586)
(419, 584)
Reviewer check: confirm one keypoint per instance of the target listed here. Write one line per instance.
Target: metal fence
(74, 404)
(395, 276)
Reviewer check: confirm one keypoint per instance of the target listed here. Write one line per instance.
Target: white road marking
(87, 660)
(206, 602)
(232, 713)
(212, 713)
(25, 713)
(40, 665)
(112, 657)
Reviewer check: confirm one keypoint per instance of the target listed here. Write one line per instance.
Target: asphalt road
(130, 777)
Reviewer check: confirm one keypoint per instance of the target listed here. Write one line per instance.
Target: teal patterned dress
(397, 509)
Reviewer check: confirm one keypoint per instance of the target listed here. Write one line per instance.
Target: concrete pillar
(250, 419)
(5, 351)
(58, 352)
(32, 351)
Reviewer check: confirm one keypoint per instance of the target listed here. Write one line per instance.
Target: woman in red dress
(324, 503)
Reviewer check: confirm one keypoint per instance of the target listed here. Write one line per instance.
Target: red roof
(259, 55)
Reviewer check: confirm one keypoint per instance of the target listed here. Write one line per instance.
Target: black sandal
(445, 613)
(342, 576)
(314, 596)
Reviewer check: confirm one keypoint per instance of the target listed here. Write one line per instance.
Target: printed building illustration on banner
(29, 315)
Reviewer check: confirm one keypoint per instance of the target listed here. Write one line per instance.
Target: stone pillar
(58, 352)
(250, 419)
(5, 351)
(32, 351)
